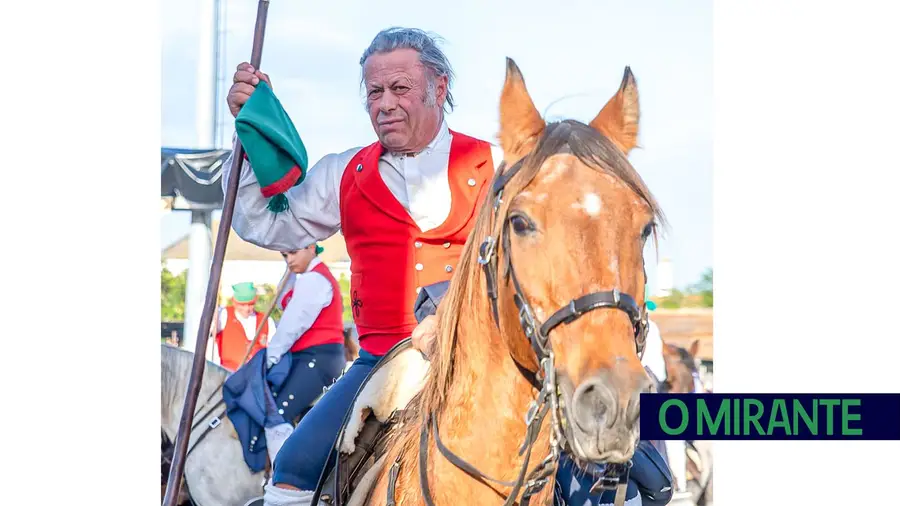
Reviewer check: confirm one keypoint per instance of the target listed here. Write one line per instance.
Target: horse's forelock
(594, 150)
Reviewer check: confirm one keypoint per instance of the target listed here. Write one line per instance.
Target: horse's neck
(484, 419)
(175, 390)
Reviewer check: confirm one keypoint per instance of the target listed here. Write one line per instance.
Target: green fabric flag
(272, 145)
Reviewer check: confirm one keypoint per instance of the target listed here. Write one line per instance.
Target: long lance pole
(173, 484)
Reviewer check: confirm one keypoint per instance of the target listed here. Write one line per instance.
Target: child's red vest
(390, 257)
(232, 341)
(329, 325)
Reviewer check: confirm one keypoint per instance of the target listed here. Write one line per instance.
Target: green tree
(699, 294)
(172, 293)
(704, 288)
(345, 297)
(265, 298)
(675, 300)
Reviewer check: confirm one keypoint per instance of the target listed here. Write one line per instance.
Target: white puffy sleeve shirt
(418, 182)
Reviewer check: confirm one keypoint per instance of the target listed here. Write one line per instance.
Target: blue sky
(572, 55)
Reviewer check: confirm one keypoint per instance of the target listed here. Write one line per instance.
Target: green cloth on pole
(273, 146)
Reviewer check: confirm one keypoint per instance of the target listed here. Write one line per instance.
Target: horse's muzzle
(604, 411)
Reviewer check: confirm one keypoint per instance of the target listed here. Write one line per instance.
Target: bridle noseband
(544, 380)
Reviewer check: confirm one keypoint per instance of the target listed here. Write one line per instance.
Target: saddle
(358, 452)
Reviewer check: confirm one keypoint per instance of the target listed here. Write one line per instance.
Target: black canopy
(194, 175)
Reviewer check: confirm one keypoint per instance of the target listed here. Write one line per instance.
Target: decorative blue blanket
(251, 405)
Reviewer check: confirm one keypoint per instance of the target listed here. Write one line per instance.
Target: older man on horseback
(405, 205)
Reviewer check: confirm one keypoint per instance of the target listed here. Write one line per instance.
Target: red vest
(390, 257)
(232, 341)
(329, 325)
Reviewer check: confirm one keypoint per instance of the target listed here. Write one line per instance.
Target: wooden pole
(173, 485)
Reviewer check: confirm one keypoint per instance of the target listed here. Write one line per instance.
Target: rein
(615, 476)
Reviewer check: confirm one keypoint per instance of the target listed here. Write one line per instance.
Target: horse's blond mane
(462, 294)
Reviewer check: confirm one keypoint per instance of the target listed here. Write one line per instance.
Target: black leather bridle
(615, 476)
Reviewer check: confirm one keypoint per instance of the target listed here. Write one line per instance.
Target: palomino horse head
(681, 367)
(570, 226)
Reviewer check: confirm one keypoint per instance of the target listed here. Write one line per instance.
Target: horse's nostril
(591, 404)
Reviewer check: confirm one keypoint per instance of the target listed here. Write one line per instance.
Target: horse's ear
(695, 347)
(669, 349)
(619, 118)
(520, 122)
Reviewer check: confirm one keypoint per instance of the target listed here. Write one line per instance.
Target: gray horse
(215, 472)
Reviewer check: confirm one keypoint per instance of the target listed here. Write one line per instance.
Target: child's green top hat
(272, 145)
(244, 292)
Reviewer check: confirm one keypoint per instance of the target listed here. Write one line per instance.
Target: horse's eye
(647, 231)
(520, 224)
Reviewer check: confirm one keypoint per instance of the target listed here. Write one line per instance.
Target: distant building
(664, 278)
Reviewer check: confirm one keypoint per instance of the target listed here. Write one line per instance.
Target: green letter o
(684, 417)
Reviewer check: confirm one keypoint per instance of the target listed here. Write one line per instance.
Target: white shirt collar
(251, 316)
(312, 263)
(441, 141)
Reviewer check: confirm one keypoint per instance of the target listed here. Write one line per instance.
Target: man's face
(404, 116)
(244, 309)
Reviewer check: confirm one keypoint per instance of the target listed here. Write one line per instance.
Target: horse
(682, 374)
(683, 377)
(233, 478)
(214, 469)
(544, 319)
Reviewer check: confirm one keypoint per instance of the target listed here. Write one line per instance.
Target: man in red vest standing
(311, 330)
(236, 327)
(405, 205)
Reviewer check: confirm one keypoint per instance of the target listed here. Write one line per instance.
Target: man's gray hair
(429, 54)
